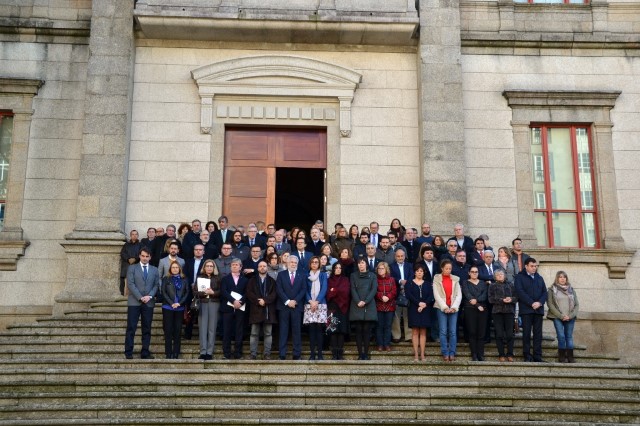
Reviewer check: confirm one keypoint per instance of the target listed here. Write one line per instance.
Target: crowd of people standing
(353, 282)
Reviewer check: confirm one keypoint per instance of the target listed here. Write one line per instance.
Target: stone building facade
(119, 112)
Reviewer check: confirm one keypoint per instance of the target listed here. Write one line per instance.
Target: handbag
(195, 304)
(319, 316)
(402, 300)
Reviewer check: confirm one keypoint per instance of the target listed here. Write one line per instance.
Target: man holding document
(232, 307)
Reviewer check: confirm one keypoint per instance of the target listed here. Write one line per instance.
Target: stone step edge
(119, 406)
(368, 396)
(160, 387)
(138, 421)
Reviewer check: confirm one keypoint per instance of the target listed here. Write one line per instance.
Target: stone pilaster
(442, 122)
(94, 245)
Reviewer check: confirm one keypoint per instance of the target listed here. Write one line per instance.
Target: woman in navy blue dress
(420, 295)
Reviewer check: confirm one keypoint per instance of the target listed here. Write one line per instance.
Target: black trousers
(172, 325)
(144, 312)
(362, 330)
(233, 322)
(476, 323)
(316, 338)
(503, 324)
(532, 322)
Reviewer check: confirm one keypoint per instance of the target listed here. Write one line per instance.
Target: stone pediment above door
(276, 76)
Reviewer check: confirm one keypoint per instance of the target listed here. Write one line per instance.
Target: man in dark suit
(151, 242)
(372, 260)
(360, 249)
(253, 239)
(303, 255)
(250, 266)
(281, 244)
(210, 250)
(532, 295)
(315, 244)
(291, 287)
(411, 245)
(402, 272)
(191, 239)
(233, 309)
(464, 242)
(431, 266)
(374, 237)
(222, 235)
(143, 281)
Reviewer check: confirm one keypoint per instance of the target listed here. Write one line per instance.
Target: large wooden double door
(252, 156)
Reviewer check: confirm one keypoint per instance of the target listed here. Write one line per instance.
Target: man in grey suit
(163, 265)
(143, 281)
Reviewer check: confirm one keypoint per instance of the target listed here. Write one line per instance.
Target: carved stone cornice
(10, 252)
(272, 76)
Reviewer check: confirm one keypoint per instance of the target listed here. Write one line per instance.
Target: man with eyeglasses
(250, 266)
(210, 249)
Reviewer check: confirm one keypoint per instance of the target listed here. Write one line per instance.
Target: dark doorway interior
(299, 197)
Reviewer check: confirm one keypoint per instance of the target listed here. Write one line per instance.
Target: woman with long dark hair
(338, 298)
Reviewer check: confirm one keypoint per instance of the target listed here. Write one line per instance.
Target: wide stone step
(317, 397)
(154, 372)
(434, 386)
(153, 421)
(323, 411)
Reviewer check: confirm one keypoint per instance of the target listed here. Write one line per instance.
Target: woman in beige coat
(448, 295)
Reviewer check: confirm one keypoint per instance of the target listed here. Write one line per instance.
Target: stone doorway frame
(276, 90)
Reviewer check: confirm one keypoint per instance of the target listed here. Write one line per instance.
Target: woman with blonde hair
(448, 295)
(563, 307)
(209, 297)
(175, 291)
(385, 305)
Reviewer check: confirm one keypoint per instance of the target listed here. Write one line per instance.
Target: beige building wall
(491, 182)
(170, 166)
(52, 168)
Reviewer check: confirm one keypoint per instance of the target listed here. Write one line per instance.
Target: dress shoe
(176, 356)
(395, 340)
(148, 357)
(296, 358)
(510, 358)
(253, 357)
(452, 358)
(266, 357)
(502, 359)
(170, 356)
(387, 348)
(380, 349)
(480, 358)
(128, 356)
(474, 357)
(282, 358)
(202, 356)
(208, 357)
(445, 358)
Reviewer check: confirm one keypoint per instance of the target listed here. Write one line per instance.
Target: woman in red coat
(338, 299)
(385, 305)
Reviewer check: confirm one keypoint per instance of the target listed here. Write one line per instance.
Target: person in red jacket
(385, 305)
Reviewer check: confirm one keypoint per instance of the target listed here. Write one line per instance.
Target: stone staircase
(71, 370)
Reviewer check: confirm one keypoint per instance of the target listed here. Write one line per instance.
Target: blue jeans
(383, 330)
(448, 332)
(564, 331)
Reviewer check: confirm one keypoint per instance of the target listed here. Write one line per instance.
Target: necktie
(252, 241)
(292, 278)
(490, 269)
(301, 256)
(145, 272)
(371, 263)
(278, 246)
